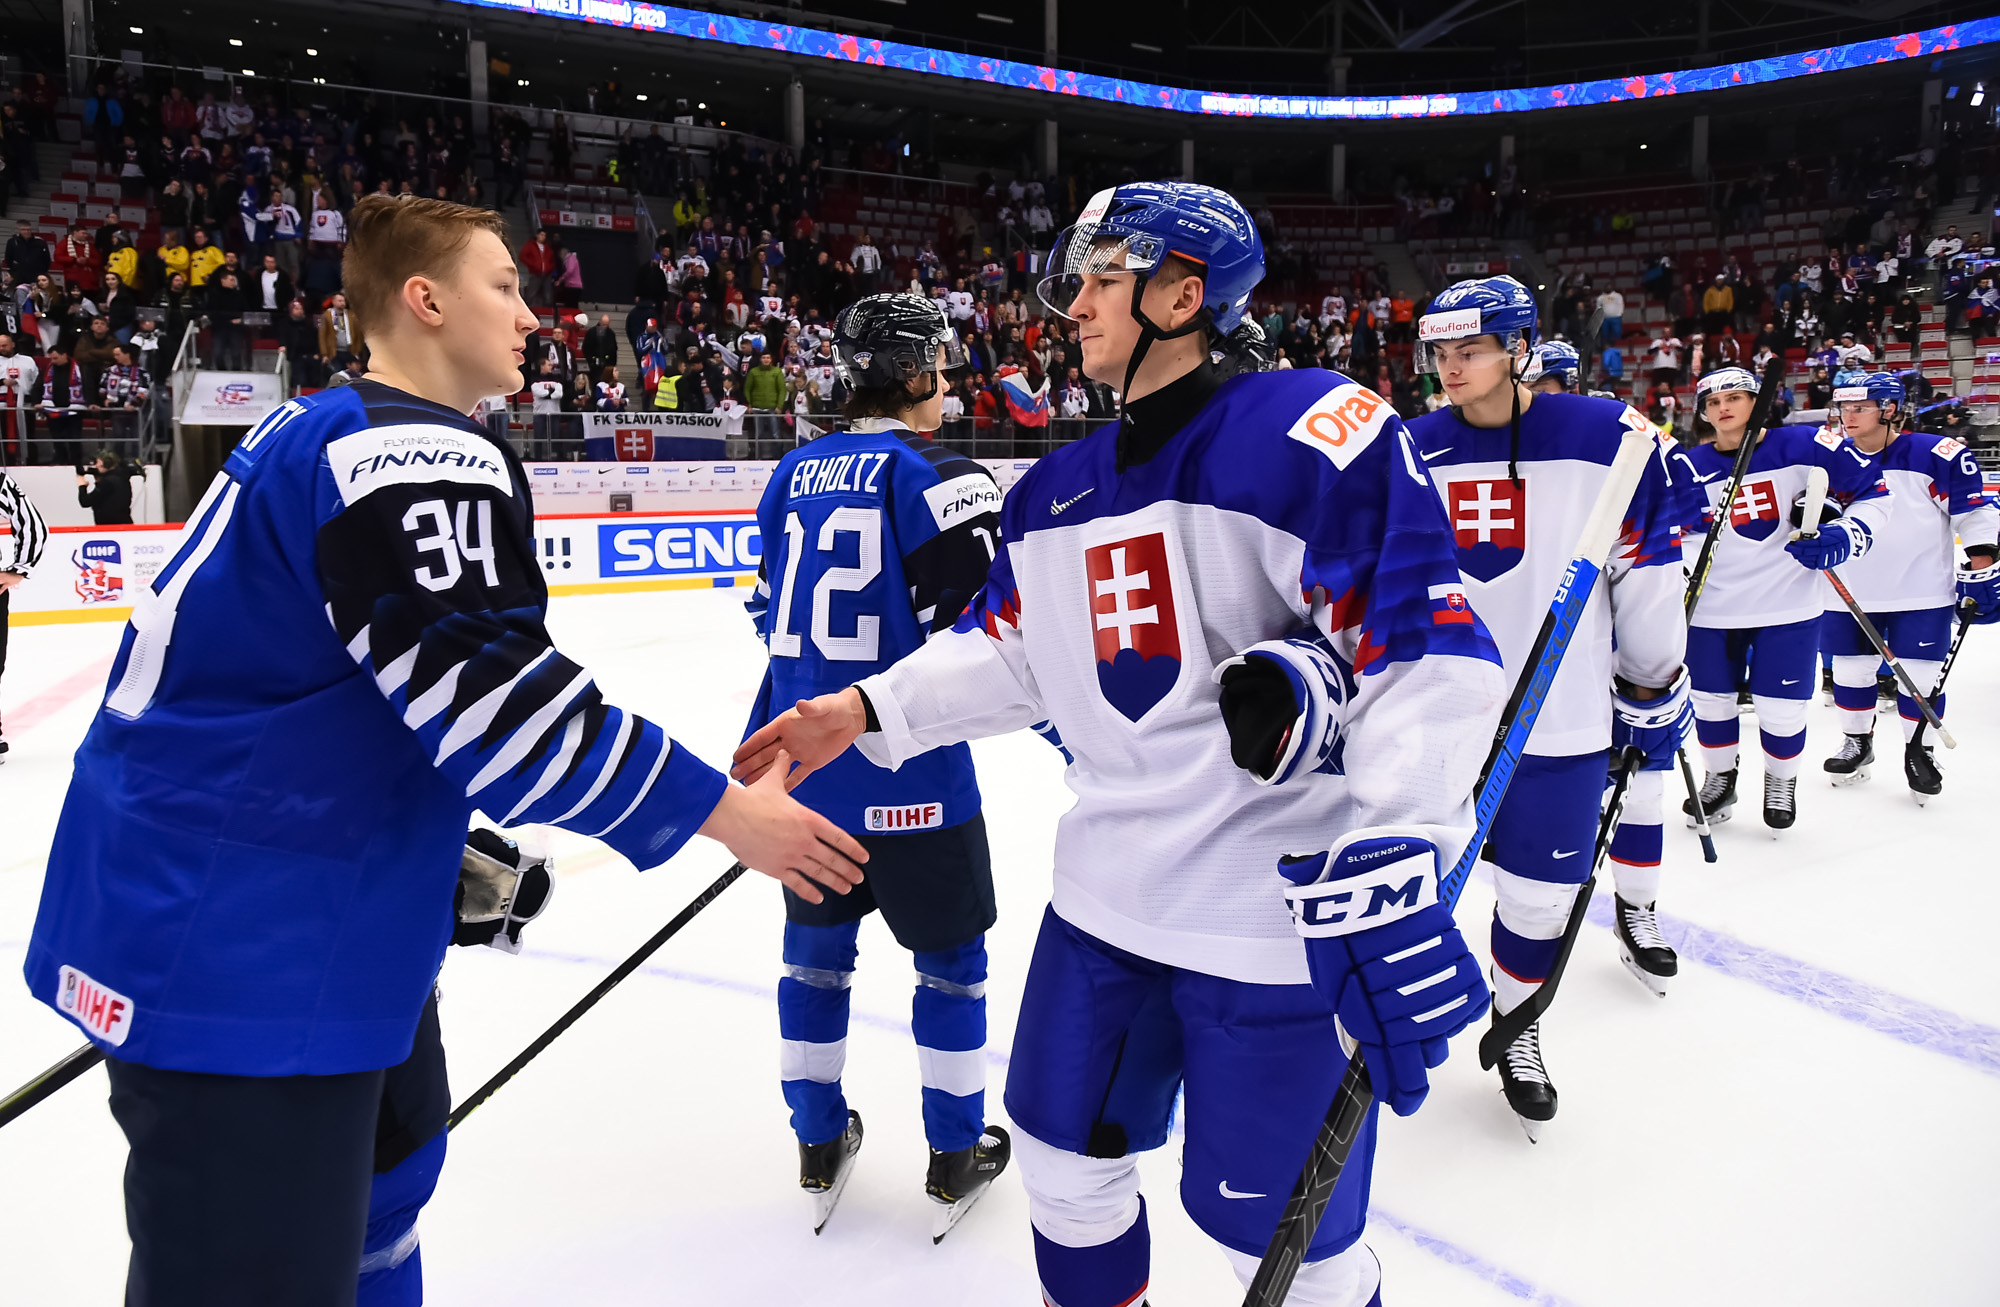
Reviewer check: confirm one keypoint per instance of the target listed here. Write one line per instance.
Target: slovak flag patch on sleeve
(1449, 605)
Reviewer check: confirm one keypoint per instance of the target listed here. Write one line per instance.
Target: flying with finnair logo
(1058, 505)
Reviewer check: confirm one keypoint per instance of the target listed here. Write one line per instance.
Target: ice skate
(958, 1179)
(1718, 796)
(1641, 947)
(1780, 805)
(1920, 769)
(824, 1169)
(1826, 684)
(1525, 1081)
(1852, 762)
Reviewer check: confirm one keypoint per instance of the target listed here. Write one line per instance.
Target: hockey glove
(1281, 704)
(502, 886)
(1656, 727)
(1835, 544)
(1386, 954)
(1981, 588)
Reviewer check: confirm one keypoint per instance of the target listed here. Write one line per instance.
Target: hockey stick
(589, 1001)
(1816, 480)
(1351, 1101)
(1967, 611)
(1509, 1026)
(49, 1081)
(1753, 430)
(89, 1055)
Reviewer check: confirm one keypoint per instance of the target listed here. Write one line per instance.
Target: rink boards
(692, 525)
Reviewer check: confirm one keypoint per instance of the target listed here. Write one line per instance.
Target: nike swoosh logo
(1571, 854)
(1438, 453)
(1058, 505)
(1793, 681)
(1925, 644)
(1227, 1192)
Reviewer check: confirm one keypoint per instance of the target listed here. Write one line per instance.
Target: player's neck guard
(1148, 424)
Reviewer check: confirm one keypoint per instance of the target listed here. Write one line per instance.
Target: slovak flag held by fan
(1028, 407)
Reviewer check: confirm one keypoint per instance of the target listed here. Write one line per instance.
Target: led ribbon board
(813, 42)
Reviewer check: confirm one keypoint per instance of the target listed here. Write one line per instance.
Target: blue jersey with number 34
(872, 541)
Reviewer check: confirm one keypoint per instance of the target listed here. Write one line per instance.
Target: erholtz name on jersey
(103, 1012)
(907, 816)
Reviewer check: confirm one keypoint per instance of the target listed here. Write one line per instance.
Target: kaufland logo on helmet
(1450, 325)
(1850, 394)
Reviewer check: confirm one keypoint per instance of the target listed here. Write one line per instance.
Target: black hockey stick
(1966, 612)
(1760, 416)
(48, 1082)
(89, 1055)
(589, 1001)
(1348, 1113)
(1509, 1027)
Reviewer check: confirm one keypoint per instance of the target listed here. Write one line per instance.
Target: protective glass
(1469, 355)
(1084, 252)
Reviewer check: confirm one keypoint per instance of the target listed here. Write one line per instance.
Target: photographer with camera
(105, 488)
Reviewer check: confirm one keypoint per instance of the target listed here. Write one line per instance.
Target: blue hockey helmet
(1489, 306)
(1859, 387)
(1557, 358)
(1721, 381)
(1849, 376)
(1131, 228)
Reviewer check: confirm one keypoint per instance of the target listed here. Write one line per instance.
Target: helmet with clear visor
(1553, 358)
(1491, 306)
(891, 340)
(1134, 227)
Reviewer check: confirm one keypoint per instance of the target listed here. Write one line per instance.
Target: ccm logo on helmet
(1343, 422)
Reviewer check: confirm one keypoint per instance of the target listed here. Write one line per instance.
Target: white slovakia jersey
(1752, 581)
(1936, 491)
(1515, 539)
(1292, 502)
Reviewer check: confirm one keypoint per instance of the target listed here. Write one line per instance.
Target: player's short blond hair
(391, 239)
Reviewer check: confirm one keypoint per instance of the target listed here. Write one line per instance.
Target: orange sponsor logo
(1335, 426)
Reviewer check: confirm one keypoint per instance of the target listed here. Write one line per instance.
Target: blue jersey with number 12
(872, 541)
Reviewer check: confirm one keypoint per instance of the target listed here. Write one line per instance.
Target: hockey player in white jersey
(1553, 368)
(1518, 471)
(1908, 581)
(1763, 601)
(1241, 610)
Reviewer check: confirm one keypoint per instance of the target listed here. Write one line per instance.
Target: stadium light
(136, 31)
(235, 41)
(819, 43)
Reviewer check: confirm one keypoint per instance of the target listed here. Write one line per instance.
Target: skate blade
(1716, 818)
(1844, 779)
(1532, 1129)
(824, 1203)
(948, 1215)
(1658, 984)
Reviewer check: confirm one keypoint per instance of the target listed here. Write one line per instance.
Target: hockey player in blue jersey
(252, 882)
(1763, 599)
(1910, 579)
(878, 539)
(1517, 470)
(1241, 610)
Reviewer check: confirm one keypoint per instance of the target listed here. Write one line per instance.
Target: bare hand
(810, 735)
(771, 832)
(8, 580)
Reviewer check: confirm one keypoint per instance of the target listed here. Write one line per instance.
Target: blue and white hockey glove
(1981, 587)
(1282, 703)
(1386, 954)
(1835, 544)
(502, 886)
(1656, 727)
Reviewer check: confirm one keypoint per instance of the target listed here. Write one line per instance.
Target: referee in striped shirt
(30, 534)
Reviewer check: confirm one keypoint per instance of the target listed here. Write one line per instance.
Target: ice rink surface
(1808, 1118)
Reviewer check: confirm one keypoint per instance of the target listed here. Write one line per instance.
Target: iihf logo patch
(1135, 632)
(1489, 522)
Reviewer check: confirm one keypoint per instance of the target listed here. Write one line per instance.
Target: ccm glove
(1282, 702)
(1980, 587)
(1386, 954)
(502, 886)
(1656, 727)
(1835, 544)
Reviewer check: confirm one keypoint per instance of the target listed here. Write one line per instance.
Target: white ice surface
(1728, 1145)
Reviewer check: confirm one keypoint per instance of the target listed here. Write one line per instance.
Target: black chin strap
(1148, 333)
(1514, 431)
